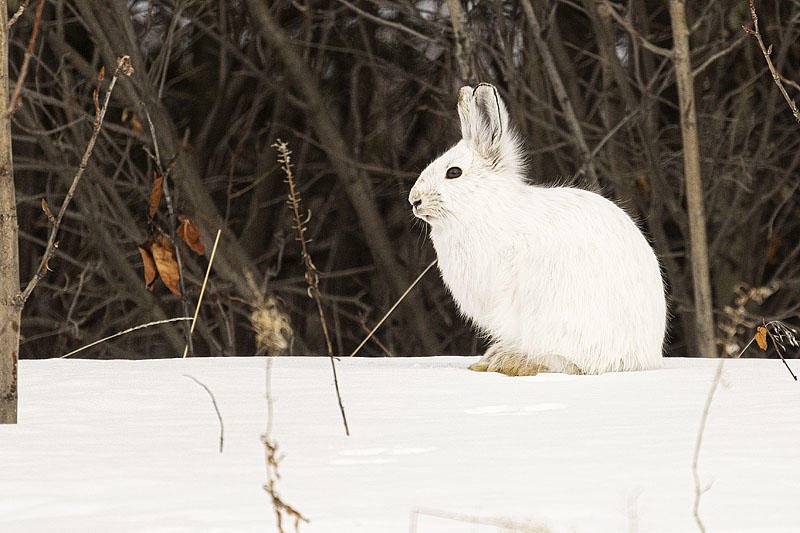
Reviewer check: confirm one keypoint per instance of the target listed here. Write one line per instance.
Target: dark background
(364, 92)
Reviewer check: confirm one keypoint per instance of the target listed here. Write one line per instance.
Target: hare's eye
(453, 172)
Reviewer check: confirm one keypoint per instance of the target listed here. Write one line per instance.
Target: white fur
(557, 275)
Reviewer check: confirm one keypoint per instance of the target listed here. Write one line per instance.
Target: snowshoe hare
(560, 279)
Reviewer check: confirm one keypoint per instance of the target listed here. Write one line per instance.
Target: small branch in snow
(216, 408)
(781, 335)
(698, 489)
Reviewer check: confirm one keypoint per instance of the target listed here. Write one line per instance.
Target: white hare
(560, 279)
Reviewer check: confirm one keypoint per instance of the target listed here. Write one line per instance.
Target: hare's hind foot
(482, 365)
(510, 363)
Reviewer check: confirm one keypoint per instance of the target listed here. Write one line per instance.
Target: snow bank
(132, 446)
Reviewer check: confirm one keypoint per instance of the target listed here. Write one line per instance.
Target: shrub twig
(26, 61)
(20, 10)
(767, 52)
(312, 275)
(124, 68)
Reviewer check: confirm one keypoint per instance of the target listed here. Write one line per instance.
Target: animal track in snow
(376, 455)
(508, 410)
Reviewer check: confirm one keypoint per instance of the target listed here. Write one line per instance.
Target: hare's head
(478, 169)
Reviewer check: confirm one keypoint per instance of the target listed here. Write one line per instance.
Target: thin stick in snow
(699, 490)
(782, 333)
(216, 408)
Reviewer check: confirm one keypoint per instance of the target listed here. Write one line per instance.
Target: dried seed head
(124, 66)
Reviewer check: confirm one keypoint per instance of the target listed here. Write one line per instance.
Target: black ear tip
(483, 84)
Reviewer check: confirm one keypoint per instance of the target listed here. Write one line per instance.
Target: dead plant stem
(125, 332)
(202, 290)
(312, 275)
(272, 461)
(391, 309)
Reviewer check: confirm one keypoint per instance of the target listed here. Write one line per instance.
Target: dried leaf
(167, 266)
(190, 234)
(150, 273)
(47, 211)
(132, 119)
(774, 248)
(136, 124)
(761, 337)
(155, 194)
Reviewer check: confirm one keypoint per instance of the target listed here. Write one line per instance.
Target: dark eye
(453, 172)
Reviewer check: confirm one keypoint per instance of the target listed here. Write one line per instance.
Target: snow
(133, 446)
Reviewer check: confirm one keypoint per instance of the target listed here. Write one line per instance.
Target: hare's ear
(465, 111)
(484, 119)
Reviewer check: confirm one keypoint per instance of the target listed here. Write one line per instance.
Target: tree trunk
(9, 256)
(704, 319)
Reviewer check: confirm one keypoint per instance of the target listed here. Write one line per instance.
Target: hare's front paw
(510, 363)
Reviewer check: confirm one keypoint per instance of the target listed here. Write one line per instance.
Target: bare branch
(20, 10)
(767, 52)
(622, 21)
(123, 68)
(23, 72)
(561, 92)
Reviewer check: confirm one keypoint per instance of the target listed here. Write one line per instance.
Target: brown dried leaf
(47, 211)
(167, 266)
(191, 234)
(761, 337)
(155, 195)
(136, 124)
(150, 273)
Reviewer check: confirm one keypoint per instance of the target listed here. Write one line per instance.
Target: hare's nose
(414, 198)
